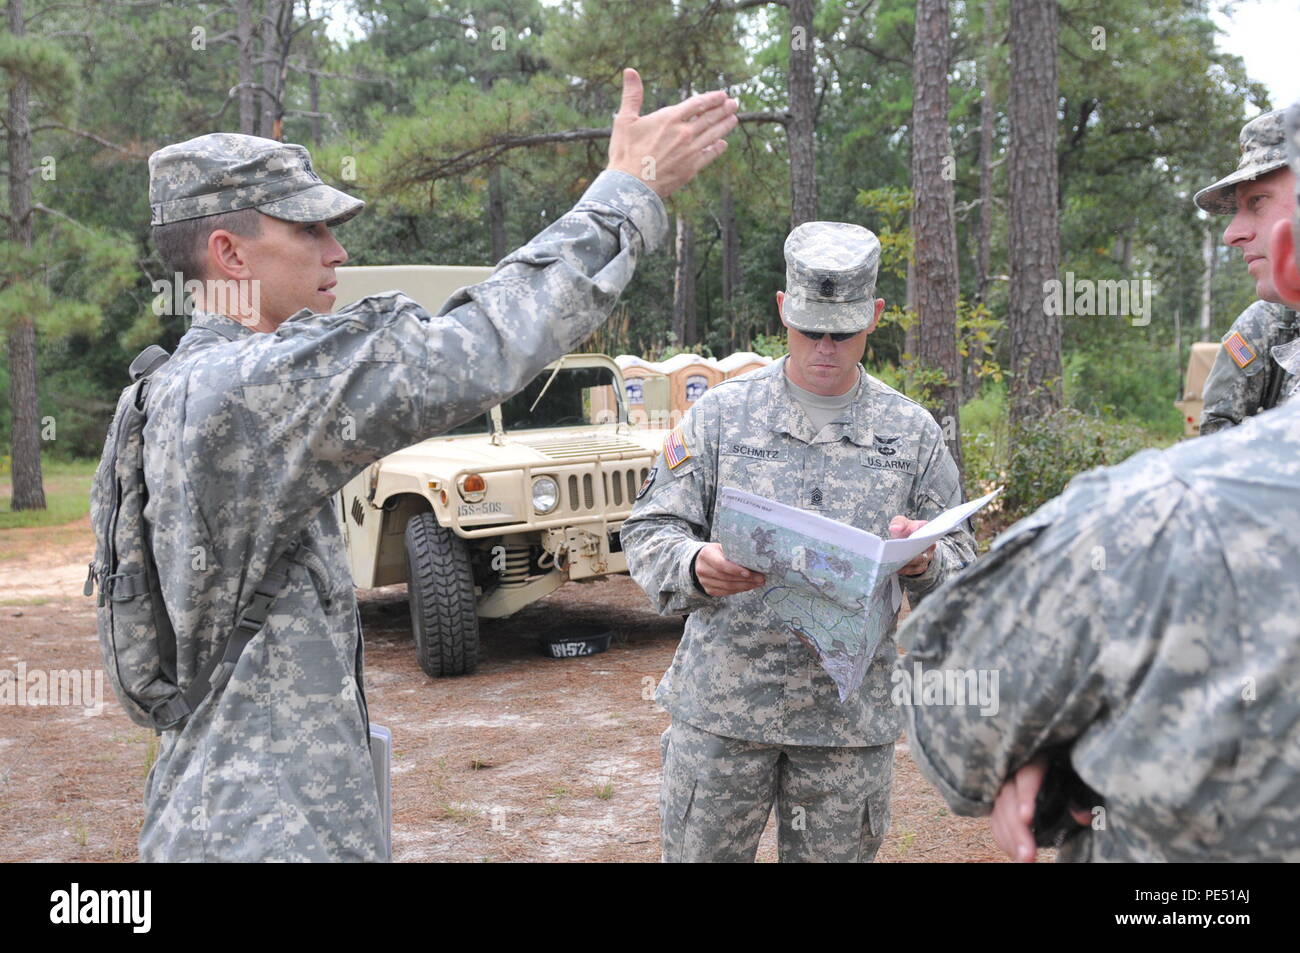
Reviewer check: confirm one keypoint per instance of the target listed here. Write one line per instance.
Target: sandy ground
(529, 759)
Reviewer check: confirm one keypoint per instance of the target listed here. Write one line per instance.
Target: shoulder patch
(649, 482)
(675, 450)
(1238, 349)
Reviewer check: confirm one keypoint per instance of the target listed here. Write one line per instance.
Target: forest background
(468, 126)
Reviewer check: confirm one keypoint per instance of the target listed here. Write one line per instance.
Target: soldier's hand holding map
(900, 527)
(831, 584)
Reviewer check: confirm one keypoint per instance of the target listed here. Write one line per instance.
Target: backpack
(135, 632)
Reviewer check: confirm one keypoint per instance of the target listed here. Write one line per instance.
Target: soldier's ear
(780, 305)
(227, 256)
(1282, 259)
(880, 307)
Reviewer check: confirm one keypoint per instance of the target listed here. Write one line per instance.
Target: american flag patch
(675, 451)
(1239, 350)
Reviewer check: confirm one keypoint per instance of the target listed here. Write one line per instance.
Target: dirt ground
(529, 759)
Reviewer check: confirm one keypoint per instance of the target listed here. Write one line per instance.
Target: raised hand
(668, 147)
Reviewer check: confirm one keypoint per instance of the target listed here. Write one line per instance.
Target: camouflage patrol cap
(1262, 151)
(830, 277)
(224, 172)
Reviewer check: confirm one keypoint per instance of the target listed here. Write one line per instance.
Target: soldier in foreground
(266, 410)
(1284, 258)
(754, 717)
(1143, 625)
(1245, 378)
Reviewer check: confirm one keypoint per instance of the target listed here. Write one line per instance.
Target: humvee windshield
(577, 397)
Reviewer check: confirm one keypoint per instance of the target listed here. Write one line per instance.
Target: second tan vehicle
(503, 509)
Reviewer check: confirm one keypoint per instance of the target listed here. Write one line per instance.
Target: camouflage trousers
(832, 804)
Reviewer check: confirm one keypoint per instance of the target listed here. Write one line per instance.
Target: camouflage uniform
(1288, 355)
(1147, 617)
(1234, 391)
(248, 438)
(754, 715)
(1251, 381)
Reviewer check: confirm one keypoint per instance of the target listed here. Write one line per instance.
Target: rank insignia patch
(1238, 349)
(675, 450)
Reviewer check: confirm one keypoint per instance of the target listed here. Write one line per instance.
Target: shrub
(1046, 454)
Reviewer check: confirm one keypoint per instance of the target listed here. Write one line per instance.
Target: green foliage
(977, 333)
(891, 209)
(1046, 454)
(49, 69)
(671, 349)
(984, 439)
(769, 345)
(1124, 376)
(1143, 122)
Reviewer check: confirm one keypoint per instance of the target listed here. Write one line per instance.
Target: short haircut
(183, 245)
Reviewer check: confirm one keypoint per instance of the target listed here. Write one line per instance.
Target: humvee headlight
(472, 488)
(546, 495)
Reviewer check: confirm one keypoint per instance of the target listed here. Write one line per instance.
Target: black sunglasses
(837, 338)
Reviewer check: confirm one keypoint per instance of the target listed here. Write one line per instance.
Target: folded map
(831, 584)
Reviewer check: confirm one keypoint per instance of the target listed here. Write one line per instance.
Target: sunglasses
(837, 338)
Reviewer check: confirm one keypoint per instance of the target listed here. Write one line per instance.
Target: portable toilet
(689, 376)
(742, 362)
(1199, 363)
(646, 390)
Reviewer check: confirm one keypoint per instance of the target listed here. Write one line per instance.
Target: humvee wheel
(440, 591)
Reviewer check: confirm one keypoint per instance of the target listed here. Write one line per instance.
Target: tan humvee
(502, 509)
(1199, 364)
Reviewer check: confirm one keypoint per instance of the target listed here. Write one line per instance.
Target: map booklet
(832, 585)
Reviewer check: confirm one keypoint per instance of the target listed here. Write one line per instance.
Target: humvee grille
(620, 486)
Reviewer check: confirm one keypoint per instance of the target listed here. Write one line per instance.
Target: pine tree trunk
(247, 95)
(730, 259)
(803, 156)
(24, 436)
(934, 223)
(1034, 241)
(987, 113)
(684, 285)
(310, 60)
(497, 214)
(273, 54)
(1207, 285)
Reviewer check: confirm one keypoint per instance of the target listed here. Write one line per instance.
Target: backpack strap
(147, 361)
(216, 671)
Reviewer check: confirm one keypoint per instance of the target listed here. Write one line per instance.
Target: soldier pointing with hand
(271, 405)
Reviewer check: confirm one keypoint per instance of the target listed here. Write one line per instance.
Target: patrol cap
(830, 277)
(225, 172)
(1262, 151)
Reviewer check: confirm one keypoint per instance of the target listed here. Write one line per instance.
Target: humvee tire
(440, 591)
